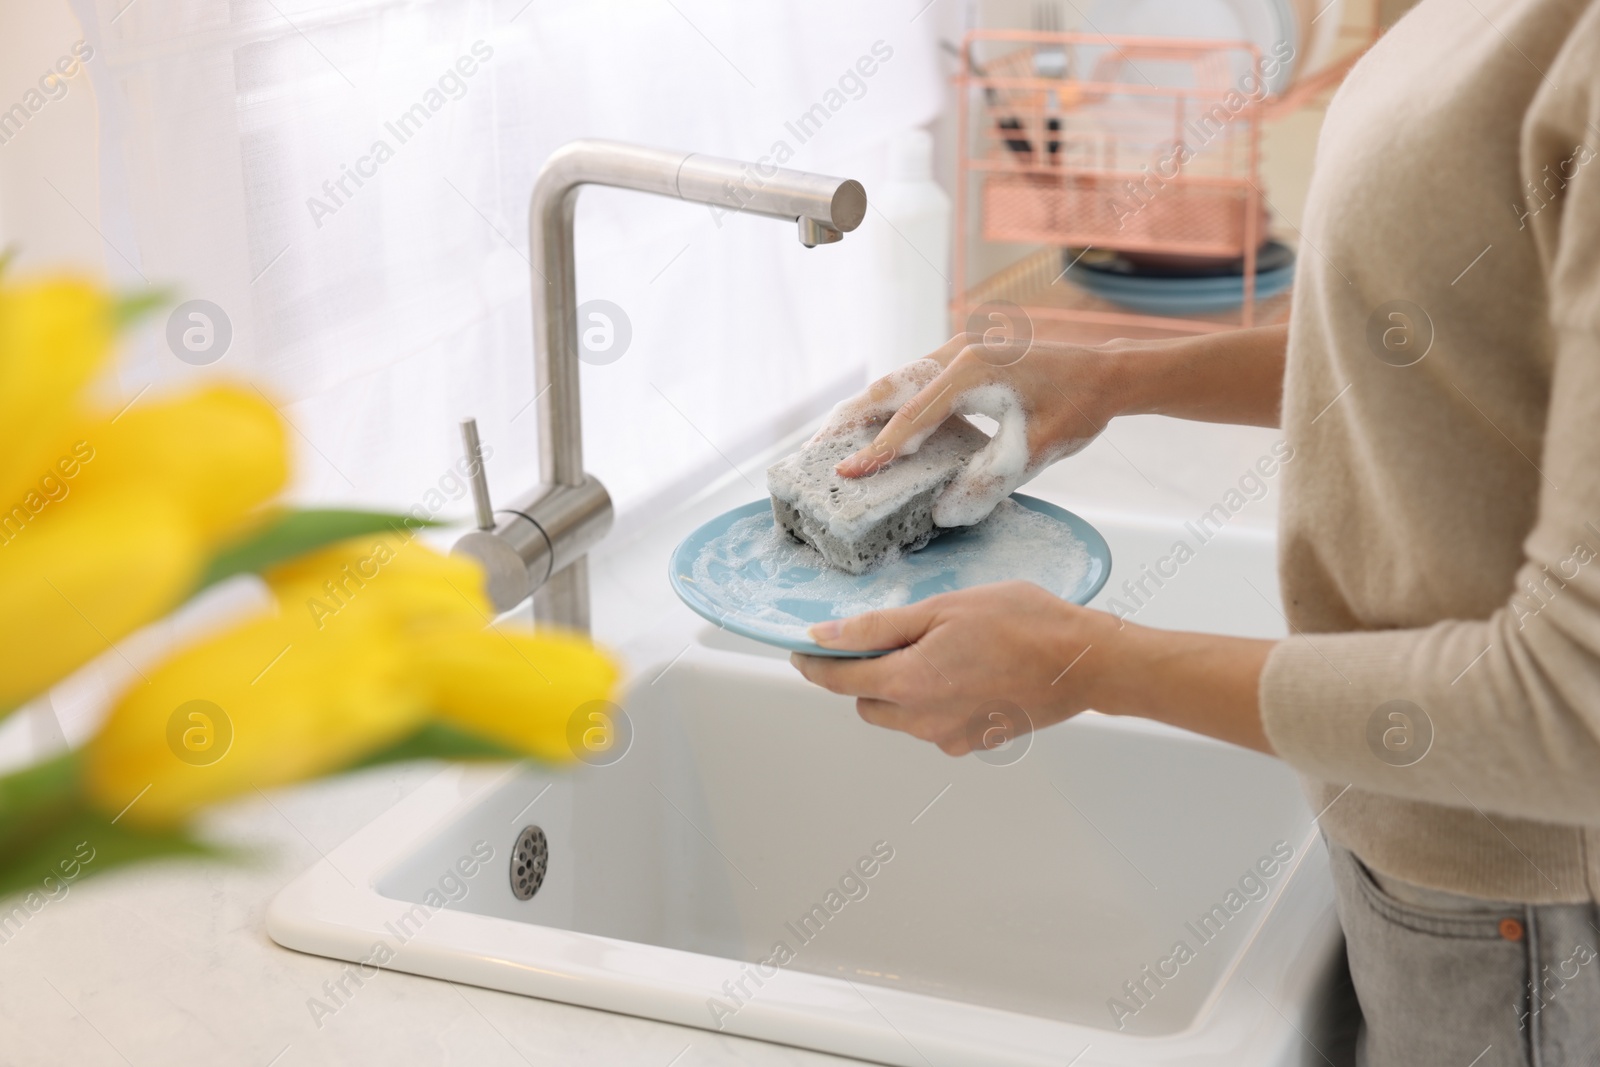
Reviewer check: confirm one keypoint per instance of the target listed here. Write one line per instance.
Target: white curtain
(378, 312)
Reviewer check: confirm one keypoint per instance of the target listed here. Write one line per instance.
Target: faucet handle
(478, 478)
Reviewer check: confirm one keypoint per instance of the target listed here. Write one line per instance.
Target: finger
(888, 628)
(880, 400)
(946, 353)
(847, 677)
(892, 716)
(973, 494)
(996, 469)
(882, 713)
(912, 424)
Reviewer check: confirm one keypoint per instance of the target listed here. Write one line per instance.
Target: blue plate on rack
(922, 574)
(1180, 296)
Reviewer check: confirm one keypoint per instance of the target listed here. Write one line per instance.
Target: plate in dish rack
(742, 572)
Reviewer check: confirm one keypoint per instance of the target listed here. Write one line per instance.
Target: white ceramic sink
(1019, 902)
(1006, 907)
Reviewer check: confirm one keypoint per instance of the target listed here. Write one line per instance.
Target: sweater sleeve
(1499, 714)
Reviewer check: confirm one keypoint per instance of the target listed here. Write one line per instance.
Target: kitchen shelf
(1071, 159)
(1062, 311)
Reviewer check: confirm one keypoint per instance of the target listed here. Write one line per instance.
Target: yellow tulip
(521, 689)
(255, 707)
(220, 451)
(106, 517)
(107, 565)
(371, 636)
(109, 517)
(382, 572)
(54, 338)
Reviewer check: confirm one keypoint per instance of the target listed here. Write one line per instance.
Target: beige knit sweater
(1441, 520)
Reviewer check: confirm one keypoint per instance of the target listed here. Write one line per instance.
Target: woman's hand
(1015, 642)
(961, 657)
(1049, 400)
(977, 667)
(1052, 399)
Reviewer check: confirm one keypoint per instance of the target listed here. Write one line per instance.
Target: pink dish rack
(1074, 159)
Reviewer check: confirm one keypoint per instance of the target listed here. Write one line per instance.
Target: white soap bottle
(914, 256)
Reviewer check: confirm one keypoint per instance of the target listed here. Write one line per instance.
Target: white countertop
(169, 963)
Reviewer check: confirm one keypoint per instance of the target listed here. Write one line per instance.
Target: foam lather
(856, 522)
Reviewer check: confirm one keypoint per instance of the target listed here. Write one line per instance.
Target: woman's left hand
(975, 668)
(970, 669)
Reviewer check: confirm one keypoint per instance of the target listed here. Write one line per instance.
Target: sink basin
(761, 862)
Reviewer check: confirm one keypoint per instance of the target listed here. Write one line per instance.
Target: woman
(1439, 384)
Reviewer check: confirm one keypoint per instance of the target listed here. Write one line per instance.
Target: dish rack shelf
(1143, 145)
(1063, 312)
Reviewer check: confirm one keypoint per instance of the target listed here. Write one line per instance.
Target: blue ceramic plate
(1181, 296)
(926, 573)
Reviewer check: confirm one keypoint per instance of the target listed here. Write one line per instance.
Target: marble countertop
(171, 963)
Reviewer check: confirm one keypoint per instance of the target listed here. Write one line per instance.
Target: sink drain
(529, 859)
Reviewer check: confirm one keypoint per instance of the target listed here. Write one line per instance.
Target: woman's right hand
(1050, 400)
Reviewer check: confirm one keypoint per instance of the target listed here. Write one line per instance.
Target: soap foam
(755, 565)
(998, 468)
(882, 399)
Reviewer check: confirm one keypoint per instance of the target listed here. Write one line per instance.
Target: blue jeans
(1452, 981)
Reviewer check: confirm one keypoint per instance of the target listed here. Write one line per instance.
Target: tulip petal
(307, 692)
(392, 574)
(220, 452)
(55, 336)
(522, 689)
(96, 571)
(264, 704)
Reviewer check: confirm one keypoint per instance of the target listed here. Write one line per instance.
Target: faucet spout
(819, 204)
(539, 547)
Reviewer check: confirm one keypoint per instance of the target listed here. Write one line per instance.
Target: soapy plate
(938, 568)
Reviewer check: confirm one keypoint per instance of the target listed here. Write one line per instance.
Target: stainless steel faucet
(537, 545)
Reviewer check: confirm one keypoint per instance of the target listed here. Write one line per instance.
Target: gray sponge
(856, 522)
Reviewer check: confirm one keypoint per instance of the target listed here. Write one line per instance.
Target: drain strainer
(529, 859)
